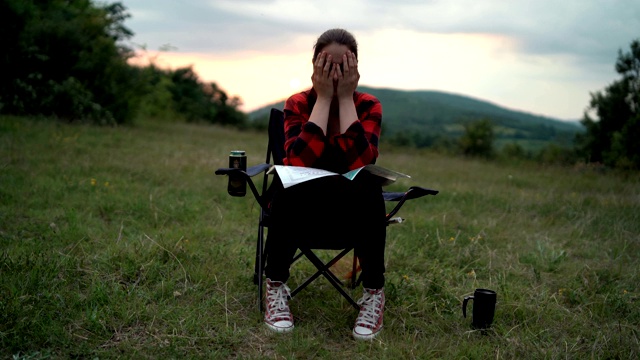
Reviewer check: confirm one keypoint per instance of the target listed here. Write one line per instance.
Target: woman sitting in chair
(332, 127)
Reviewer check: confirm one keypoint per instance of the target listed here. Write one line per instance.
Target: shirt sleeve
(360, 142)
(304, 142)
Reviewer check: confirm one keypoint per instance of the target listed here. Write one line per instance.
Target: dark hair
(338, 36)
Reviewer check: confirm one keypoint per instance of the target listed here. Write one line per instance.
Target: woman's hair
(338, 36)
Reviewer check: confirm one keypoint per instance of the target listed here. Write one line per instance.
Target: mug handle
(464, 305)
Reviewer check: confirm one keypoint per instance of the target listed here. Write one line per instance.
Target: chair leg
(354, 270)
(295, 258)
(323, 269)
(258, 260)
(259, 267)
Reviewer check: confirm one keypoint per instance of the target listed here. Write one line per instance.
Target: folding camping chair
(276, 152)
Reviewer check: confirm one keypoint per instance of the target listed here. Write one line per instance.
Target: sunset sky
(543, 57)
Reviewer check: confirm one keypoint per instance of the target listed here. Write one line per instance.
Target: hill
(434, 114)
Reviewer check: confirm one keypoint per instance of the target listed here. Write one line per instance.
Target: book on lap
(292, 175)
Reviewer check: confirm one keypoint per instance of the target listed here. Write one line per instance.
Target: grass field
(122, 243)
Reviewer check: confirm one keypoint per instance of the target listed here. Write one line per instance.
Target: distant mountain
(436, 114)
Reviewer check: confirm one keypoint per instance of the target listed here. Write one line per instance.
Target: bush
(478, 138)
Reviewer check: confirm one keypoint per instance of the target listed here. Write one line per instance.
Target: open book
(292, 175)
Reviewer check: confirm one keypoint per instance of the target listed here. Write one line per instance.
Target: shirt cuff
(353, 131)
(312, 128)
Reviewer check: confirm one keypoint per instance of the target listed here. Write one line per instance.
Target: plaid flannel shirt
(307, 145)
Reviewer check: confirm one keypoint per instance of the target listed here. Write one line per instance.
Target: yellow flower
(94, 182)
(472, 273)
(405, 277)
(106, 184)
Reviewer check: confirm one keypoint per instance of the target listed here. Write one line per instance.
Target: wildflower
(94, 182)
(406, 277)
(471, 273)
(451, 238)
(106, 184)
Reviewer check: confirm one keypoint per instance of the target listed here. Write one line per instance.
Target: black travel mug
(484, 307)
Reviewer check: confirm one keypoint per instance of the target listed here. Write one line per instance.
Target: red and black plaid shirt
(307, 145)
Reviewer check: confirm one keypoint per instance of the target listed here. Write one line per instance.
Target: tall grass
(121, 243)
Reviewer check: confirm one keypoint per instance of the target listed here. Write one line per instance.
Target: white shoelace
(369, 304)
(277, 299)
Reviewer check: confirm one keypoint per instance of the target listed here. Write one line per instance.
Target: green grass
(122, 243)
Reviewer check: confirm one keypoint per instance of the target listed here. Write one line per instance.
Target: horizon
(577, 120)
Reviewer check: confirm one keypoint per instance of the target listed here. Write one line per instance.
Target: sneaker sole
(279, 329)
(366, 337)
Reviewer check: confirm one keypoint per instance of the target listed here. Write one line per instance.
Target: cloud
(203, 27)
(590, 30)
(542, 56)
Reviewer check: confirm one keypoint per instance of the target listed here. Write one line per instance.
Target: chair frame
(275, 152)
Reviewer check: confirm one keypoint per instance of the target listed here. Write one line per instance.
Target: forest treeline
(69, 59)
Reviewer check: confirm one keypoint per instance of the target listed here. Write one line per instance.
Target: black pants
(328, 213)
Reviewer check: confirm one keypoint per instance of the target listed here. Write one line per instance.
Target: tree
(513, 151)
(478, 138)
(65, 58)
(611, 138)
(198, 101)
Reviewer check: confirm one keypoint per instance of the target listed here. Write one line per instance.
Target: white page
(291, 175)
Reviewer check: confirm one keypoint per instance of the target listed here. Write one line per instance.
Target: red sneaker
(369, 321)
(277, 315)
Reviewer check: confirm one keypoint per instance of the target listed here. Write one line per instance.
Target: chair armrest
(257, 169)
(414, 192)
(251, 172)
(247, 175)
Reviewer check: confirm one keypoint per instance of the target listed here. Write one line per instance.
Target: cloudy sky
(540, 56)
